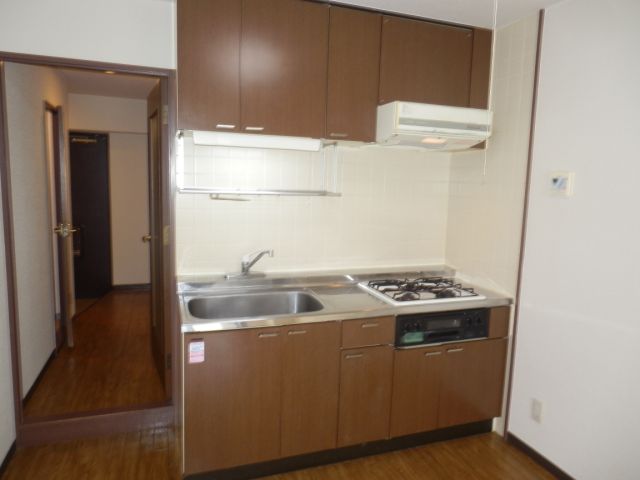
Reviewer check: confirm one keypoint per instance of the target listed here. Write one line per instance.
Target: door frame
(43, 430)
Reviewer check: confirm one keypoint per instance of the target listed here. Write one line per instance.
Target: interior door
(156, 236)
(62, 226)
(89, 158)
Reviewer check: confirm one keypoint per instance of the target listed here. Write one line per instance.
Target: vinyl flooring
(111, 365)
(152, 455)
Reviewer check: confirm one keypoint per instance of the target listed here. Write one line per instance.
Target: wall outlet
(536, 410)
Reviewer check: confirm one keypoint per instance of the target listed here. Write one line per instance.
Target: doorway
(111, 356)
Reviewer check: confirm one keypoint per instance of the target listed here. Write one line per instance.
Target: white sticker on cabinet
(196, 351)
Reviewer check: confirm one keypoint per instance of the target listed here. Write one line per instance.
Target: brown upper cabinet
(354, 68)
(284, 67)
(209, 64)
(307, 69)
(430, 63)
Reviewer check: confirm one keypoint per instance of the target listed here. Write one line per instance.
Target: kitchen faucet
(248, 261)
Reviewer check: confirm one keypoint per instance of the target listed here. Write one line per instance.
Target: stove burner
(424, 288)
(405, 296)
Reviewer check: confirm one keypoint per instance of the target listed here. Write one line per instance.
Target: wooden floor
(152, 455)
(111, 365)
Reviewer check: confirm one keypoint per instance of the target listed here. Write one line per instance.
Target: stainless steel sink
(253, 305)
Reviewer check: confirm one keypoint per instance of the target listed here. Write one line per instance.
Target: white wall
(488, 187)
(135, 32)
(393, 210)
(578, 335)
(128, 182)
(27, 88)
(125, 120)
(7, 419)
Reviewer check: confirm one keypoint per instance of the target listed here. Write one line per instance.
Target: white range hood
(434, 127)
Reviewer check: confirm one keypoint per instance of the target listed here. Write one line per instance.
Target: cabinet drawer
(368, 331)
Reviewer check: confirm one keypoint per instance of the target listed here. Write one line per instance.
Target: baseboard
(273, 467)
(538, 458)
(7, 459)
(39, 378)
(134, 286)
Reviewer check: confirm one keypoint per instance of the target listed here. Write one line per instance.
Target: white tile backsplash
(392, 212)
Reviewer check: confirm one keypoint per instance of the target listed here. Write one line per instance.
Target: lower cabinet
(448, 385)
(259, 395)
(472, 382)
(365, 394)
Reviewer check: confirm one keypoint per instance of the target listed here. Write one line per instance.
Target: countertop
(340, 294)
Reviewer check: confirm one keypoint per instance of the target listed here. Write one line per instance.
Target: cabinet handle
(351, 356)
(433, 354)
(297, 332)
(225, 126)
(268, 335)
(455, 350)
(369, 325)
(254, 129)
(339, 135)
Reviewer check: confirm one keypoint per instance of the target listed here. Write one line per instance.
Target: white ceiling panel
(99, 83)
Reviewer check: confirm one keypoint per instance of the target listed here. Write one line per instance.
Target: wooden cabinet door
(416, 390)
(209, 64)
(354, 69)
(365, 394)
(480, 69)
(311, 375)
(472, 382)
(425, 62)
(232, 400)
(284, 67)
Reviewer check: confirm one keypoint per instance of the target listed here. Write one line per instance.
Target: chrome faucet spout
(251, 259)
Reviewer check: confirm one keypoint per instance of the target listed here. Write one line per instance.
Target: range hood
(434, 127)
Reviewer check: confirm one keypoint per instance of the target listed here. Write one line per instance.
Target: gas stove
(418, 291)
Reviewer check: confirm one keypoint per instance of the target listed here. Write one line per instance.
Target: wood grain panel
(416, 390)
(354, 69)
(365, 395)
(310, 380)
(499, 322)
(284, 67)
(472, 382)
(232, 400)
(480, 69)
(425, 62)
(368, 331)
(209, 64)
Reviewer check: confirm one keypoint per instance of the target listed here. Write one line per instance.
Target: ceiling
(100, 83)
(478, 13)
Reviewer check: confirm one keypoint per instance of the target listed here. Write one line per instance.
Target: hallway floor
(152, 455)
(111, 365)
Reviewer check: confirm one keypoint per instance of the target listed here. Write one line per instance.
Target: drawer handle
(254, 129)
(432, 354)
(297, 332)
(370, 325)
(339, 135)
(225, 126)
(455, 350)
(351, 356)
(268, 335)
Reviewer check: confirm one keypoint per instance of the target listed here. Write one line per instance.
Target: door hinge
(168, 357)
(165, 114)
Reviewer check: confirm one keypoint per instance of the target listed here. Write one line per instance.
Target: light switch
(562, 183)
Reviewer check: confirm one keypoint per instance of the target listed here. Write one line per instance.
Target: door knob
(146, 238)
(64, 230)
